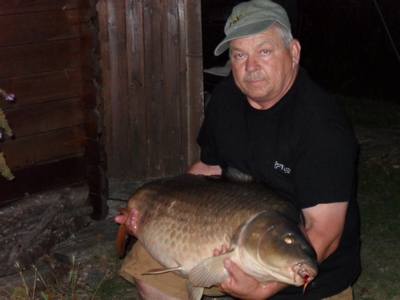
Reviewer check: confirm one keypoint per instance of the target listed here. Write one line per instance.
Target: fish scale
(184, 218)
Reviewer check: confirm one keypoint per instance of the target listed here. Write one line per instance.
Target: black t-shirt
(304, 148)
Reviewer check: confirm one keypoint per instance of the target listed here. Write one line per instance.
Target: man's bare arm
(200, 168)
(324, 225)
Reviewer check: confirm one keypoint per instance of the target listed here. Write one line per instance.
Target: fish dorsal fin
(195, 292)
(161, 270)
(210, 271)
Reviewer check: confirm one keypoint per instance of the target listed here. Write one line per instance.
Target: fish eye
(288, 239)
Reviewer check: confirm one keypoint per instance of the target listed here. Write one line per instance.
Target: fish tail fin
(122, 235)
(121, 240)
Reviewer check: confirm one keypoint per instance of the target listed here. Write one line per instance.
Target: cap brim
(241, 32)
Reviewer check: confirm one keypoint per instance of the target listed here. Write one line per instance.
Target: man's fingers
(216, 252)
(229, 266)
(234, 271)
(220, 251)
(238, 284)
(226, 285)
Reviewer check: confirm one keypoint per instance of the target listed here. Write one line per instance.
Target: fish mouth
(303, 274)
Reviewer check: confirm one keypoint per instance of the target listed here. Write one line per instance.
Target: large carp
(181, 220)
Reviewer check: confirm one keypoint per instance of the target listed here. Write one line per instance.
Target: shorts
(139, 261)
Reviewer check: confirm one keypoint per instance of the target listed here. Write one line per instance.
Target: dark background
(345, 46)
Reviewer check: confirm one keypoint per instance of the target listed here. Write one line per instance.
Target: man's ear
(295, 49)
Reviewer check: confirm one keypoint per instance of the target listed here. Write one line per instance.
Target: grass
(116, 288)
(49, 285)
(95, 278)
(61, 283)
(372, 113)
(380, 226)
(379, 200)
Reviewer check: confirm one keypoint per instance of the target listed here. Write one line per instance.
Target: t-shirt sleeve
(326, 166)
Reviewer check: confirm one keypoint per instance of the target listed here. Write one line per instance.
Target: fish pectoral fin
(161, 270)
(210, 271)
(195, 292)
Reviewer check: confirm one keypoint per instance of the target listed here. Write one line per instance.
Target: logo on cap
(235, 19)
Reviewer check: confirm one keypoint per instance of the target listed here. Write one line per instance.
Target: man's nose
(251, 63)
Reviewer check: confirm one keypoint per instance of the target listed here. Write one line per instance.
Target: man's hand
(200, 168)
(243, 286)
(239, 284)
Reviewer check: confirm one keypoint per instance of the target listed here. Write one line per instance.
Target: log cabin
(94, 94)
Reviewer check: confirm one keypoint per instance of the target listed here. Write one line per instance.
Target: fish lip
(303, 273)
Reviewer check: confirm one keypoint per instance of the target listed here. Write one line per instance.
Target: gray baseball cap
(251, 17)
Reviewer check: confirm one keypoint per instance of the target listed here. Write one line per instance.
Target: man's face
(263, 68)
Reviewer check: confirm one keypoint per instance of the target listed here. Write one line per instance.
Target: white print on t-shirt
(282, 168)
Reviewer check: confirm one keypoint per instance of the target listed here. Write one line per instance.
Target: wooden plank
(96, 163)
(43, 87)
(154, 121)
(37, 58)
(54, 145)
(42, 177)
(105, 65)
(154, 80)
(19, 7)
(103, 109)
(36, 119)
(116, 102)
(193, 101)
(137, 113)
(155, 124)
(183, 74)
(173, 152)
(119, 86)
(42, 26)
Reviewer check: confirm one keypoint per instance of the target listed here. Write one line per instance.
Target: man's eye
(239, 55)
(265, 52)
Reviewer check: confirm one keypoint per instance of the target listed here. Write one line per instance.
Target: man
(271, 121)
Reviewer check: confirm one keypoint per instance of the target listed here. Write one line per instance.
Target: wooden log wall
(151, 53)
(46, 59)
(31, 228)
